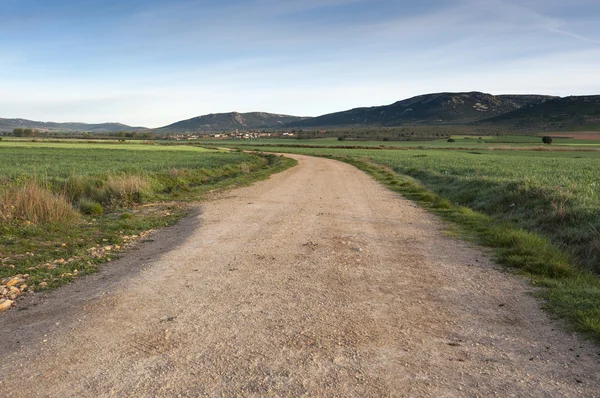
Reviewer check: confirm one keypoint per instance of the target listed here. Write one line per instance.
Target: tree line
(21, 132)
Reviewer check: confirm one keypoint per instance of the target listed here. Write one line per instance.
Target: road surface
(316, 282)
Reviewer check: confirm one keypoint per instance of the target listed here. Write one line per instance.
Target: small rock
(13, 282)
(6, 305)
(44, 284)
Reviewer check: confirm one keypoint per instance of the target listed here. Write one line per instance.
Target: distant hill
(216, 122)
(428, 109)
(10, 124)
(518, 112)
(553, 114)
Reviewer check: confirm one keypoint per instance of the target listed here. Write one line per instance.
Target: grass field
(460, 141)
(66, 207)
(61, 160)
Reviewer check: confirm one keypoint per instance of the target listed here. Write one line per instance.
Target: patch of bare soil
(579, 135)
(317, 282)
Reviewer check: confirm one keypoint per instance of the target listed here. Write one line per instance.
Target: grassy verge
(55, 228)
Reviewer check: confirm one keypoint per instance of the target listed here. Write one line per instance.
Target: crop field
(62, 160)
(460, 141)
(66, 207)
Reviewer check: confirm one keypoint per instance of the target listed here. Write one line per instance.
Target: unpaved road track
(317, 282)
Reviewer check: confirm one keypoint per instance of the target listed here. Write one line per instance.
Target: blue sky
(151, 63)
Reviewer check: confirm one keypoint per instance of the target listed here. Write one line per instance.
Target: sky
(151, 63)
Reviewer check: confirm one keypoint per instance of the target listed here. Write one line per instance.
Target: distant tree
(341, 138)
(547, 140)
(18, 132)
(451, 140)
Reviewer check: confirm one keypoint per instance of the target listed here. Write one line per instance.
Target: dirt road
(317, 282)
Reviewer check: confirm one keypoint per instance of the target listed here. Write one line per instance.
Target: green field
(64, 159)
(460, 141)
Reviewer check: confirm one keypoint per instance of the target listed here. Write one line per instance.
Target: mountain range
(519, 112)
(11, 124)
(232, 121)
(552, 114)
(428, 109)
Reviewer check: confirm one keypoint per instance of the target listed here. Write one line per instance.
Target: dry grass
(179, 173)
(128, 188)
(34, 204)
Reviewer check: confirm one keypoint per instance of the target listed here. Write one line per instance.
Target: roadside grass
(35, 204)
(61, 224)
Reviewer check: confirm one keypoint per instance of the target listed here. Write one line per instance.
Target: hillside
(215, 122)
(553, 114)
(428, 109)
(10, 124)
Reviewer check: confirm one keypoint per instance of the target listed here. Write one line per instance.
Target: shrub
(76, 187)
(90, 207)
(451, 140)
(341, 138)
(547, 140)
(36, 205)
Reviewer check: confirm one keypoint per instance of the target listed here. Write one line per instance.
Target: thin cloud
(575, 36)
